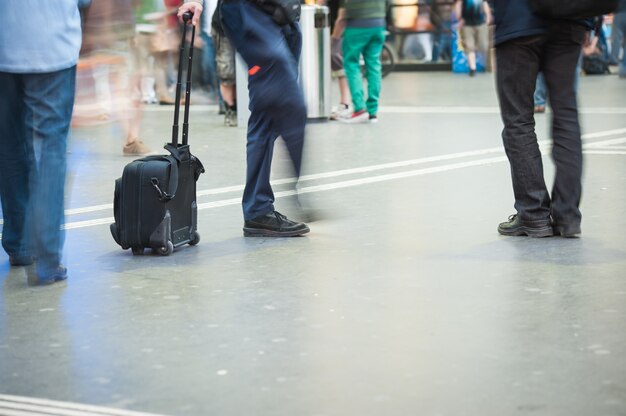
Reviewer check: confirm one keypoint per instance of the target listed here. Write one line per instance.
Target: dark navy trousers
(277, 108)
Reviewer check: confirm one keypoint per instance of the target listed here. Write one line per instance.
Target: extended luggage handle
(186, 18)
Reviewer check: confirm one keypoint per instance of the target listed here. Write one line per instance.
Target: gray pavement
(403, 299)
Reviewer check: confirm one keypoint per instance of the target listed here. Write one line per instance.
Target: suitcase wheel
(137, 251)
(166, 250)
(195, 238)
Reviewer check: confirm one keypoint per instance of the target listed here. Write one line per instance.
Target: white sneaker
(356, 118)
(341, 111)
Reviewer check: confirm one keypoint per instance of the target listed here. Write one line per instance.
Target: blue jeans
(519, 61)
(35, 115)
(619, 23)
(277, 107)
(540, 91)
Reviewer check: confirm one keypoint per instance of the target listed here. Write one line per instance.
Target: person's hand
(192, 7)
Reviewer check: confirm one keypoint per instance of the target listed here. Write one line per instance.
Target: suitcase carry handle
(186, 18)
(169, 193)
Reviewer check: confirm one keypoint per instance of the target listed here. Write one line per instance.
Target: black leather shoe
(273, 224)
(567, 230)
(21, 260)
(515, 226)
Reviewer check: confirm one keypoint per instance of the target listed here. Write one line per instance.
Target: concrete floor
(403, 300)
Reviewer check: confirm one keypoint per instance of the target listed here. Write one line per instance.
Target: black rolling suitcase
(155, 199)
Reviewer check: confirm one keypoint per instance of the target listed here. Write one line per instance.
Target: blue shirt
(38, 36)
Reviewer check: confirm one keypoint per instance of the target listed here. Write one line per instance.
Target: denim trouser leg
(619, 22)
(518, 65)
(540, 90)
(556, 54)
(617, 35)
(559, 64)
(277, 104)
(46, 103)
(14, 166)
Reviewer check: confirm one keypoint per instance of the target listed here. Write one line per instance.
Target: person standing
(226, 70)
(336, 63)
(364, 35)
(38, 56)
(474, 18)
(209, 67)
(619, 27)
(525, 45)
(272, 52)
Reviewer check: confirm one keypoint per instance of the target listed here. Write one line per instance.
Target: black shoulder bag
(283, 12)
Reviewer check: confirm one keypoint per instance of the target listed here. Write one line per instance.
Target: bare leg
(229, 94)
(344, 90)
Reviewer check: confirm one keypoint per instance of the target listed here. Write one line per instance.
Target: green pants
(369, 43)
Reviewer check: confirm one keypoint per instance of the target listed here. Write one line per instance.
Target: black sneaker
(567, 230)
(515, 226)
(273, 224)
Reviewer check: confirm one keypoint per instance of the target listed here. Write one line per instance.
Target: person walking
(38, 57)
(474, 18)
(272, 52)
(525, 45)
(364, 35)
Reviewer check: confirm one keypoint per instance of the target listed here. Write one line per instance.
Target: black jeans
(556, 54)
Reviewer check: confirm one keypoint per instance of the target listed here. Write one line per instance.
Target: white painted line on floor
(604, 143)
(605, 152)
(84, 210)
(372, 168)
(365, 169)
(603, 133)
(27, 406)
(411, 109)
(88, 223)
(482, 110)
(329, 186)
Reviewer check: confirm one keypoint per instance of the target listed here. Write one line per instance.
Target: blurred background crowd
(130, 51)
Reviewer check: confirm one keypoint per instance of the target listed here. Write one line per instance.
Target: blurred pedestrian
(526, 45)
(39, 46)
(364, 35)
(225, 67)
(109, 30)
(619, 28)
(474, 20)
(441, 18)
(342, 110)
(209, 68)
(269, 40)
